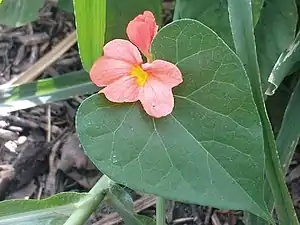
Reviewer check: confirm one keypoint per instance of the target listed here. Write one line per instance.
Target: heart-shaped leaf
(208, 151)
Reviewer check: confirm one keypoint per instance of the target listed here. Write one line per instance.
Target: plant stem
(240, 16)
(160, 211)
(176, 15)
(89, 204)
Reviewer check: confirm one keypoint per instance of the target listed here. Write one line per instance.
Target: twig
(34, 71)
(139, 205)
(183, 220)
(49, 123)
(215, 219)
(208, 215)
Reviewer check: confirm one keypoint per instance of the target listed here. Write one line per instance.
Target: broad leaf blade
(16, 13)
(191, 155)
(90, 26)
(54, 210)
(274, 32)
(214, 13)
(45, 91)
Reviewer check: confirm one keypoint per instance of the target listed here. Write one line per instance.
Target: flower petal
(124, 89)
(141, 31)
(107, 70)
(164, 71)
(157, 98)
(123, 50)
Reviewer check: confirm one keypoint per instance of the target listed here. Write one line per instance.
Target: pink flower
(141, 31)
(127, 79)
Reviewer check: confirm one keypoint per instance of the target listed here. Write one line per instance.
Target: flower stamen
(140, 74)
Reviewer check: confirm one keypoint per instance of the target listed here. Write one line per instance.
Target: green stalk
(160, 211)
(90, 203)
(176, 15)
(240, 15)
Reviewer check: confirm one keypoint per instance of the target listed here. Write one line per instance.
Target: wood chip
(8, 135)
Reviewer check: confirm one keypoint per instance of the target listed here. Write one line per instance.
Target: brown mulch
(40, 154)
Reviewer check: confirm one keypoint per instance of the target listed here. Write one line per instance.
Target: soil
(37, 162)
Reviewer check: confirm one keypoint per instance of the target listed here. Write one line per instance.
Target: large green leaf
(193, 154)
(274, 32)
(284, 65)
(16, 13)
(54, 210)
(90, 26)
(45, 91)
(119, 13)
(214, 13)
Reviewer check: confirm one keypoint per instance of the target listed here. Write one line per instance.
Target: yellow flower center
(140, 74)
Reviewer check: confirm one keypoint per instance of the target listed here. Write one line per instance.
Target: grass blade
(284, 64)
(289, 132)
(90, 26)
(45, 91)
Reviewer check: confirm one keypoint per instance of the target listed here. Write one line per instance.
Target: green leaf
(90, 26)
(45, 91)
(54, 210)
(283, 110)
(211, 13)
(274, 33)
(16, 13)
(119, 13)
(284, 65)
(66, 5)
(123, 204)
(286, 142)
(257, 5)
(191, 155)
(288, 136)
(243, 35)
(214, 13)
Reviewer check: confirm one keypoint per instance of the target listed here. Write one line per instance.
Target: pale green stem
(160, 211)
(89, 203)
